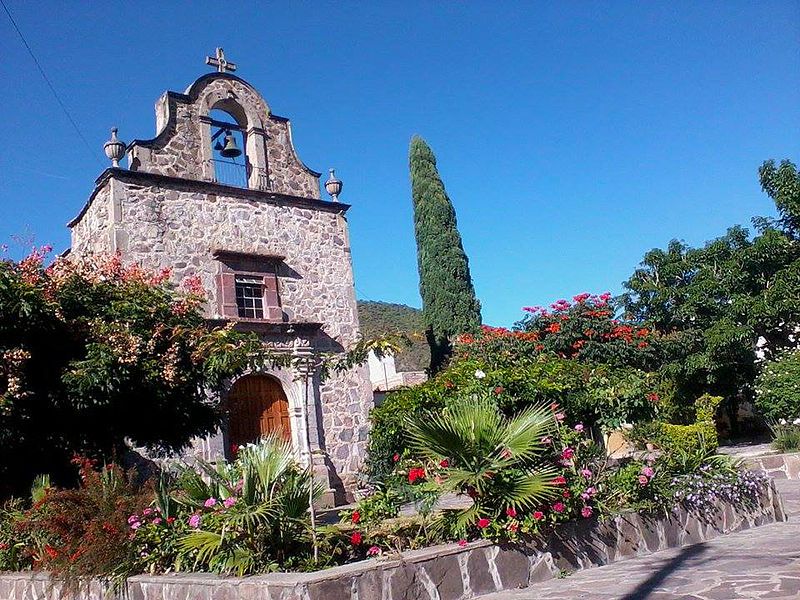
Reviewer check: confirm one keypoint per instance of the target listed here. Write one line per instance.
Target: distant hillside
(379, 318)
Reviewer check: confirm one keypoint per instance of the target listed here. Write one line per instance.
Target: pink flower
(229, 501)
(538, 515)
(483, 523)
(147, 511)
(157, 521)
(559, 507)
(511, 512)
(643, 480)
(547, 440)
(194, 521)
(579, 427)
(210, 502)
(462, 543)
(560, 416)
(136, 525)
(647, 471)
(592, 491)
(567, 453)
(396, 457)
(132, 519)
(559, 480)
(373, 551)
(586, 512)
(587, 474)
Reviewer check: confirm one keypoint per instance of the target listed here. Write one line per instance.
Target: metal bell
(230, 150)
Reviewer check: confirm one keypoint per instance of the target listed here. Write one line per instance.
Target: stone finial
(114, 148)
(333, 186)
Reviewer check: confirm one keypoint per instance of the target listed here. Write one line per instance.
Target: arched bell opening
(228, 147)
(256, 406)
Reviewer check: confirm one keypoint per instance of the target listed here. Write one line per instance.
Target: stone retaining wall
(446, 572)
(777, 466)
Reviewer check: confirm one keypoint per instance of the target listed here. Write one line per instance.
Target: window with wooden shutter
(248, 286)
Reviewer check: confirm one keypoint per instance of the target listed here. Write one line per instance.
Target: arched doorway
(257, 406)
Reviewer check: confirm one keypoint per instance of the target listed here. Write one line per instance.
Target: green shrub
(672, 438)
(778, 388)
(517, 376)
(785, 435)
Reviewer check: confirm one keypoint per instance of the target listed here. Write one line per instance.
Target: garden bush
(97, 354)
(672, 438)
(778, 389)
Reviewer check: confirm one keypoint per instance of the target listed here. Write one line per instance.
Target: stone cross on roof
(220, 62)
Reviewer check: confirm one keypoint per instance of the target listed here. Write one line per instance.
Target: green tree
(96, 355)
(448, 297)
(716, 305)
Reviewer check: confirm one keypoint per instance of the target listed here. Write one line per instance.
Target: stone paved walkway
(757, 563)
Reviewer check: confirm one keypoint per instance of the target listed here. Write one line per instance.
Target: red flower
(559, 507)
(51, 552)
(560, 480)
(416, 473)
(554, 327)
(567, 453)
(538, 515)
(356, 538)
(653, 397)
(511, 512)
(170, 520)
(444, 463)
(566, 494)
(483, 523)
(462, 543)
(643, 344)
(355, 517)
(396, 457)
(499, 390)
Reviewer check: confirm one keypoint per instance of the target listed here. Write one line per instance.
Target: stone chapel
(220, 193)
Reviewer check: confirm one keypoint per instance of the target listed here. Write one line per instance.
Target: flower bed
(446, 572)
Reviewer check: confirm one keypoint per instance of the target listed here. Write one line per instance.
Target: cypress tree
(449, 304)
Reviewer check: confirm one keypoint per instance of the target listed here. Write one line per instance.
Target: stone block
(480, 577)
(445, 574)
(513, 566)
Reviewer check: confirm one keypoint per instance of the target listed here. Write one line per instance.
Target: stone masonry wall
(182, 145)
(180, 227)
(92, 233)
(446, 572)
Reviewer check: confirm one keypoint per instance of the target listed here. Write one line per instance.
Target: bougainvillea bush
(602, 372)
(95, 354)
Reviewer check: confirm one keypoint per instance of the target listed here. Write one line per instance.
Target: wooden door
(256, 406)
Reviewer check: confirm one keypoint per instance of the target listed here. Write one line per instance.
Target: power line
(47, 80)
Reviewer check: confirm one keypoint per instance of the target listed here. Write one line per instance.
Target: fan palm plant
(494, 459)
(265, 519)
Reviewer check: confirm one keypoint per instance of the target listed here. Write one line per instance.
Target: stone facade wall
(181, 226)
(93, 232)
(167, 211)
(442, 572)
(182, 146)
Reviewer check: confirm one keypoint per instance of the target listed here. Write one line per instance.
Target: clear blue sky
(571, 136)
